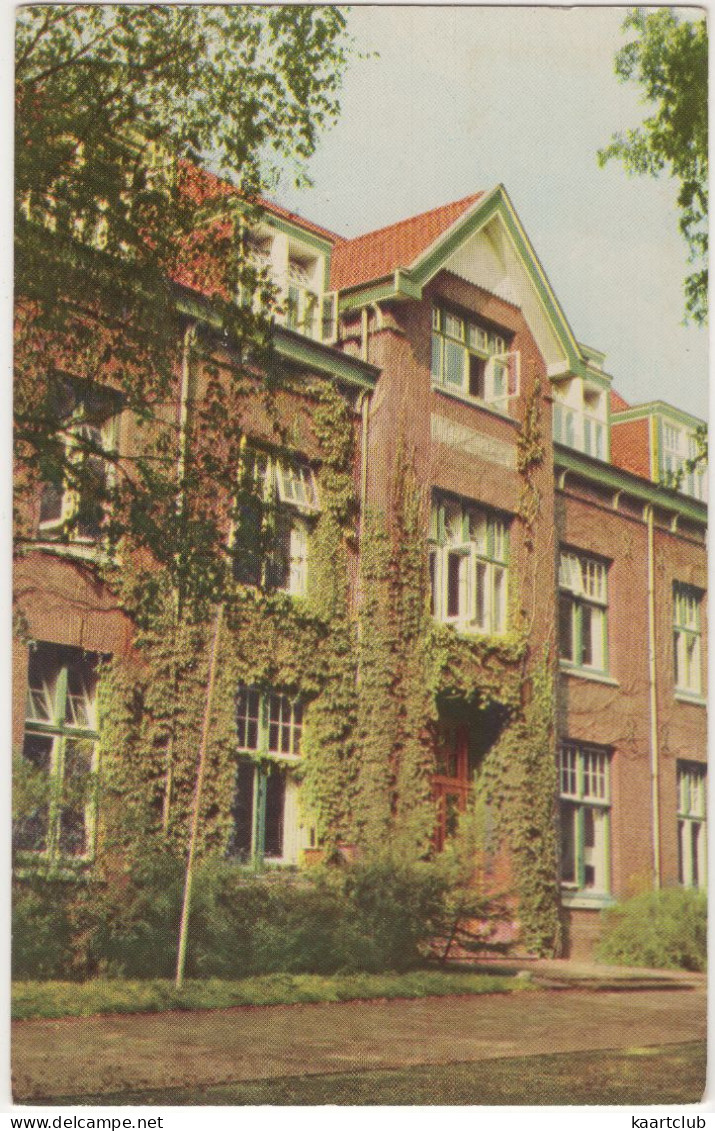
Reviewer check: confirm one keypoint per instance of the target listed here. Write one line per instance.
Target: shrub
(661, 928)
(41, 930)
(364, 917)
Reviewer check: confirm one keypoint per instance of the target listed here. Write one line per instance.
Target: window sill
(582, 901)
(463, 628)
(690, 697)
(584, 673)
(474, 402)
(88, 551)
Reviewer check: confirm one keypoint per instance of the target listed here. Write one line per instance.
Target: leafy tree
(123, 114)
(668, 58)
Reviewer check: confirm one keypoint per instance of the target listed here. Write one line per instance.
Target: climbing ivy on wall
(153, 699)
(410, 667)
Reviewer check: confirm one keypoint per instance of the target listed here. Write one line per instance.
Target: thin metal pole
(186, 905)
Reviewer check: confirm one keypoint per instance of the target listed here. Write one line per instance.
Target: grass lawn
(85, 999)
(664, 1075)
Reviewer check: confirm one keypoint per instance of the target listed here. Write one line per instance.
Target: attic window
(474, 360)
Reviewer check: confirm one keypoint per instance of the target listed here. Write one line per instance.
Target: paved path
(108, 1054)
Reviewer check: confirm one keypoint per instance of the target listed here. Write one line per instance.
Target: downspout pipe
(654, 751)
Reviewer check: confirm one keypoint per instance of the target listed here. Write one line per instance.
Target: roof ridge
(472, 198)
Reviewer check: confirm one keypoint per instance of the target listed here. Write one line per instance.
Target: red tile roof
(378, 253)
(617, 402)
(201, 185)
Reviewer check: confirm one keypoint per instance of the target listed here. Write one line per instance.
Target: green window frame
(687, 641)
(59, 757)
(269, 729)
(692, 828)
(583, 611)
(584, 812)
(473, 360)
(469, 566)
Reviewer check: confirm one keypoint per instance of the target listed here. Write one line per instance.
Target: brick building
(444, 339)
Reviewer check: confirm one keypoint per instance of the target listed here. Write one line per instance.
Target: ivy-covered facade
(459, 608)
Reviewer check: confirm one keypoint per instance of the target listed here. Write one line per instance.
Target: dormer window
(471, 359)
(679, 466)
(579, 418)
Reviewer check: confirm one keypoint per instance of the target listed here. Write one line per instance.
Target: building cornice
(617, 479)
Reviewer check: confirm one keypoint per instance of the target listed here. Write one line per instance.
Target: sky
(441, 101)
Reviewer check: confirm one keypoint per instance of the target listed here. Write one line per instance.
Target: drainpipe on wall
(189, 339)
(654, 752)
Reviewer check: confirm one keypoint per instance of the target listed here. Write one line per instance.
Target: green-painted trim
(296, 348)
(405, 285)
(617, 479)
(498, 202)
(655, 447)
(658, 408)
(408, 282)
(581, 901)
(352, 298)
(596, 377)
(320, 243)
(592, 354)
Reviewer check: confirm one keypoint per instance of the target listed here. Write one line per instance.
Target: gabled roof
(379, 253)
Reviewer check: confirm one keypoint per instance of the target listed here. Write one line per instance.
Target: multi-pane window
(692, 843)
(302, 301)
(275, 502)
(583, 602)
(473, 360)
(681, 462)
(75, 498)
(686, 638)
(579, 418)
(58, 755)
(265, 813)
(469, 567)
(584, 814)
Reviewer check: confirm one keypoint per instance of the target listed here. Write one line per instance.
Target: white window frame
(583, 598)
(58, 716)
(584, 813)
(288, 486)
(269, 734)
(687, 639)
(83, 439)
(456, 343)
(691, 784)
(477, 541)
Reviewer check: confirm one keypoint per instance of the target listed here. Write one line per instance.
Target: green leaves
(123, 115)
(669, 60)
